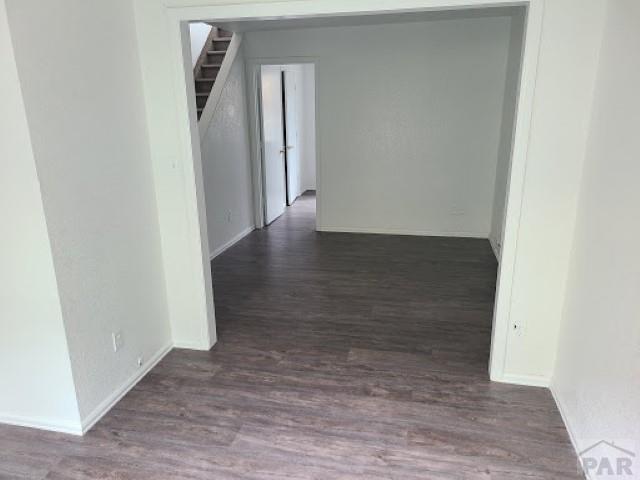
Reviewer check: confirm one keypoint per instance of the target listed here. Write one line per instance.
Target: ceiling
(357, 20)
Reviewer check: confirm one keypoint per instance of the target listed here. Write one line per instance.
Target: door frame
(187, 186)
(285, 136)
(252, 66)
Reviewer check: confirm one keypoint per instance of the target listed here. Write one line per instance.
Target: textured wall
(409, 121)
(89, 133)
(34, 362)
(226, 164)
(598, 367)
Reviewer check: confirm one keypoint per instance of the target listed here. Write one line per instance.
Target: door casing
(253, 67)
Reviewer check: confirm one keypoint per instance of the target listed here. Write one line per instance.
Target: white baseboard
(42, 424)
(186, 345)
(232, 242)
(108, 403)
(400, 231)
(526, 380)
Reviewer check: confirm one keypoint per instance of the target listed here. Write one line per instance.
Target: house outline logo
(615, 465)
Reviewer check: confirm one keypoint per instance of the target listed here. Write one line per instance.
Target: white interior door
(273, 142)
(292, 100)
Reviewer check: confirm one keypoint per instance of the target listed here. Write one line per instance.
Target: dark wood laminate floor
(340, 357)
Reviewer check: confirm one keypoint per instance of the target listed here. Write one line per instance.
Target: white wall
(88, 128)
(181, 215)
(507, 130)
(226, 165)
(598, 368)
(409, 118)
(198, 33)
(307, 116)
(34, 362)
(570, 43)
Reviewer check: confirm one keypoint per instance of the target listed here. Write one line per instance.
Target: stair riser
(204, 87)
(220, 45)
(209, 72)
(201, 101)
(215, 57)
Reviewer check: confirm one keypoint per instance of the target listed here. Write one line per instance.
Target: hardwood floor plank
(340, 356)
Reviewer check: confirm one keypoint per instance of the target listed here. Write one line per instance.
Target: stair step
(215, 50)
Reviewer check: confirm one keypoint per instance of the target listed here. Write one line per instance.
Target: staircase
(208, 65)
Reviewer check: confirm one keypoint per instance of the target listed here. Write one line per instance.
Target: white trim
(401, 231)
(567, 426)
(232, 242)
(252, 75)
(502, 321)
(107, 404)
(526, 380)
(193, 303)
(42, 424)
(218, 86)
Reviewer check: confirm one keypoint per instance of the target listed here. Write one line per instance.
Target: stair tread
(204, 79)
(216, 52)
(211, 65)
(221, 39)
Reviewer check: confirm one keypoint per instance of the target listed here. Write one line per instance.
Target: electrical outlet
(229, 216)
(118, 340)
(140, 361)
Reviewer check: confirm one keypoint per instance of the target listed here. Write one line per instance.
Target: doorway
(188, 187)
(286, 125)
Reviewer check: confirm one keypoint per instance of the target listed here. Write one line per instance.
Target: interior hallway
(340, 356)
